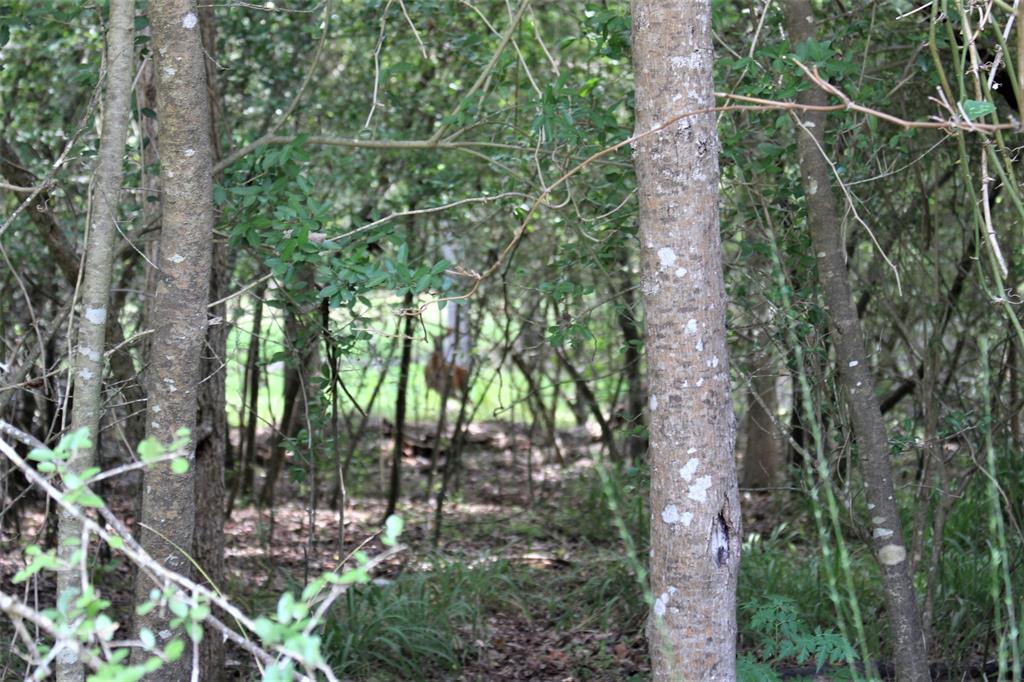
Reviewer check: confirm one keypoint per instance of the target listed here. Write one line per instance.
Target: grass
(421, 625)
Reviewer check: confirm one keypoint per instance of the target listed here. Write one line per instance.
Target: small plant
(420, 623)
(782, 634)
(81, 623)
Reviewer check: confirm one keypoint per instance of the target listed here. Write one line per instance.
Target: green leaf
(147, 637)
(975, 109)
(392, 529)
(150, 449)
(284, 607)
(178, 607)
(174, 650)
(179, 465)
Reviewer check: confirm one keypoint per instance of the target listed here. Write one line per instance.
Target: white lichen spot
(854, 363)
(165, 634)
(698, 492)
(714, 362)
(176, 258)
(859, 384)
(700, 382)
(691, 326)
(661, 604)
(96, 315)
(667, 257)
(190, 20)
(670, 514)
(90, 353)
(812, 187)
(156, 409)
(170, 71)
(878, 520)
(85, 373)
(820, 254)
(700, 344)
(881, 533)
(689, 469)
(681, 272)
(870, 506)
(189, 153)
(686, 518)
(155, 425)
(890, 555)
(690, 451)
(67, 656)
(653, 402)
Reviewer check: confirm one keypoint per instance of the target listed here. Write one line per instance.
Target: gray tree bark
(95, 289)
(695, 524)
(824, 224)
(212, 435)
(179, 307)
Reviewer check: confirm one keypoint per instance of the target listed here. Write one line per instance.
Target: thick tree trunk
(95, 289)
(695, 525)
(179, 308)
(824, 223)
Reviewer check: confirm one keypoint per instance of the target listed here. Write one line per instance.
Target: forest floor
(529, 581)
(506, 518)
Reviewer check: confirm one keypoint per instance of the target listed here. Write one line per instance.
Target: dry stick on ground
(855, 371)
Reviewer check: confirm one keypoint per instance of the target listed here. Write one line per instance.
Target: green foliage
(782, 634)
(417, 625)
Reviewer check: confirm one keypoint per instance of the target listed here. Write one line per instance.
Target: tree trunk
(628, 318)
(179, 308)
(695, 527)
(394, 487)
(858, 385)
(764, 455)
(95, 288)
(212, 436)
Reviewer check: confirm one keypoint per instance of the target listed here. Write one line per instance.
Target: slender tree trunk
(95, 290)
(394, 488)
(764, 456)
(695, 525)
(242, 482)
(182, 293)
(303, 339)
(588, 400)
(632, 335)
(911, 657)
